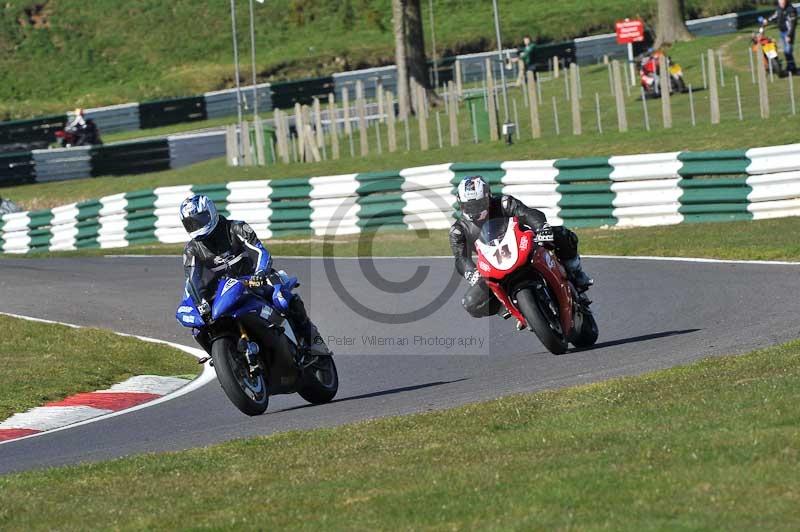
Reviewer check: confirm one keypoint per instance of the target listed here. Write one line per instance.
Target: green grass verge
(712, 445)
(44, 362)
(718, 240)
(107, 52)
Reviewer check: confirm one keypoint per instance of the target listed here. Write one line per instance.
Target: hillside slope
(55, 54)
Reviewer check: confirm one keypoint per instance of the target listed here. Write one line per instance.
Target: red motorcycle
(89, 135)
(525, 275)
(650, 73)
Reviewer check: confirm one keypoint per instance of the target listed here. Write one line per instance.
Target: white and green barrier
(626, 191)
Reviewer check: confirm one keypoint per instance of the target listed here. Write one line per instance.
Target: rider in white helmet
(478, 205)
(218, 247)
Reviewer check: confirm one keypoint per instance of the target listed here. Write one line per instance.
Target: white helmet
(474, 197)
(199, 216)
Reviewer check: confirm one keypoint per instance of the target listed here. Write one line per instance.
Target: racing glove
(259, 278)
(204, 309)
(472, 277)
(545, 234)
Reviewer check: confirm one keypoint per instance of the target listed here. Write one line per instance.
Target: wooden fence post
(333, 126)
(452, 114)
(622, 117)
(298, 127)
(390, 123)
(763, 94)
(247, 146)
(666, 104)
(361, 107)
(459, 82)
(576, 104)
(713, 91)
(536, 128)
(491, 107)
(422, 120)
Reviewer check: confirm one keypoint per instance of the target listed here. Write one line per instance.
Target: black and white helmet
(199, 216)
(474, 197)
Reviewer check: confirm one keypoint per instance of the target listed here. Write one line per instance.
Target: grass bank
(731, 133)
(713, 445)
(42, 362)
(753, 240)
(57, 55)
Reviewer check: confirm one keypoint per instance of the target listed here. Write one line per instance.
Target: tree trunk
(410, 51)
(400, 56)
(671, 26)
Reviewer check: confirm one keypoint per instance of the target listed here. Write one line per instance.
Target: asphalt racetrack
(402, 341)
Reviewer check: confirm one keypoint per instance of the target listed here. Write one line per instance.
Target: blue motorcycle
(253, 348)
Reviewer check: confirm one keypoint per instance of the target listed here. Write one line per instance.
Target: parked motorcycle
(769, 49)
(89, 135)
(253, 348)
(525, 275)
(649, 75)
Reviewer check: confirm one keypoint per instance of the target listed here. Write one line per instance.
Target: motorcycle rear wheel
(250, 395)
(320, 381)
(545, 325)
(777, 68)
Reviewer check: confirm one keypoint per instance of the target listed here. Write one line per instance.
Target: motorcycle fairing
(556, 277)
(234, 299)
(187, 314)
(504, 258)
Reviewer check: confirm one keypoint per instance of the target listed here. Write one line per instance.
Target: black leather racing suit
(786, 20)
(479, 300)
(233, 249)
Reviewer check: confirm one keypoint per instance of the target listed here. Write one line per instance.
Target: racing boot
(576, 274)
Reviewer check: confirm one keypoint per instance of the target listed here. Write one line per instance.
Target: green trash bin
(479, 116)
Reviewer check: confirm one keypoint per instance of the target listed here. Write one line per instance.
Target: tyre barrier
(119, 158)
(624, 191)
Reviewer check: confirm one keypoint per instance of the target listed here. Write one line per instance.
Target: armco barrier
(223, 103)
(41, 129)
(62, 163)
(631, 190)
(189, 149)
(114, 118)
(121, 158)
(174, 111)
(133, 157)
(16, 168)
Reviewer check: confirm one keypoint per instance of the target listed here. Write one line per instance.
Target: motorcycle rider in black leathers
(218, 247)
(478, 205)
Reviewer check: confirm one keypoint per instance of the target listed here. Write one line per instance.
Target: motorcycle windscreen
(493, 230)
(498, 244)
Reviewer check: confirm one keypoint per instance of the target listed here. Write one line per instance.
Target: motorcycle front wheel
(588, 334)
(320, 381)
(543, 320)
(248, 393)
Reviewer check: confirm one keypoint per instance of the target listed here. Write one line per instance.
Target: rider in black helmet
(218, 247)
(478, 205)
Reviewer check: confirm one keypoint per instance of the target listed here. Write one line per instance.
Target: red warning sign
(629, 31)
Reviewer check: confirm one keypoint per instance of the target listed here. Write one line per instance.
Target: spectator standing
(785, 17)
(527, 57)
